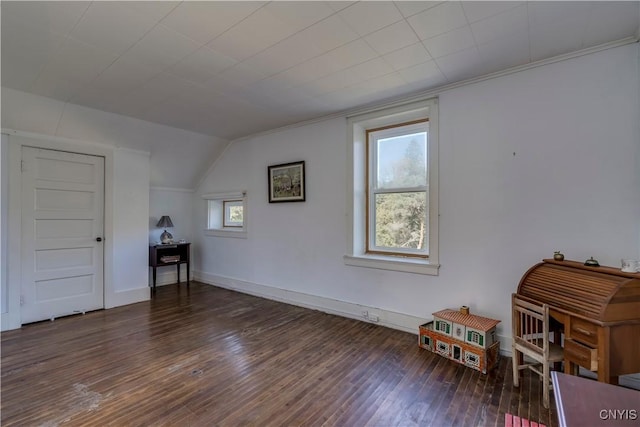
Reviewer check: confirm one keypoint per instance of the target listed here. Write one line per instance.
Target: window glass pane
(235, 214)
(401, 220)
(402, 161)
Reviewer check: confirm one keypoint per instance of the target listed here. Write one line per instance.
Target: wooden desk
(584, 402)
(599, 308)
(165, 255)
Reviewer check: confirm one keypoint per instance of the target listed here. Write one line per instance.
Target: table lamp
(165, 222)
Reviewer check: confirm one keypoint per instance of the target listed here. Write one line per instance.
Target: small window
(227, 214)
(475, 337)
(442, 327)
(233, 213)
(442, 348)
(471, 359)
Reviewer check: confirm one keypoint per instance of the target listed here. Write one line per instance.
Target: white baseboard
(117, 299)
(129, 296)
(9, 321)
(386, 318)
(390, 319)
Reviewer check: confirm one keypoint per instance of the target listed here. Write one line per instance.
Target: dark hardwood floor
(205, 356)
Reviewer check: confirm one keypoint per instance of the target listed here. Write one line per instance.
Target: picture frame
(287, 182)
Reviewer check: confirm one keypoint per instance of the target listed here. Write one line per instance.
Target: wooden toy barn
(465, 338)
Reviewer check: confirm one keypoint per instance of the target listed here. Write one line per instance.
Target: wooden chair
(531, 340)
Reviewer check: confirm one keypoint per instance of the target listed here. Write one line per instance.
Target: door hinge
(21, 299)
(22, 166)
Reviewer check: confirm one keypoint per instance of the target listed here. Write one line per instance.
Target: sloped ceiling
(231, 69)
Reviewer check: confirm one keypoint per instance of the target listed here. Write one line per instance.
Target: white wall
(4, 186)
(572, 185)
(125, 220)
(179, 157)
(178, 204)
(131, 210)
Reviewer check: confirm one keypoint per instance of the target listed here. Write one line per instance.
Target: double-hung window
(397, 193)
(393, 188)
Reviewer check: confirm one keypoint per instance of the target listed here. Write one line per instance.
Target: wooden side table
(172, 254)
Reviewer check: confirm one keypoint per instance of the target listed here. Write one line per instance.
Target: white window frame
(374, 135)
(226, 214)
(358, 125)
(217, 214)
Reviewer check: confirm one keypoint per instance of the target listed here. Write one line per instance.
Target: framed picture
(286, 182)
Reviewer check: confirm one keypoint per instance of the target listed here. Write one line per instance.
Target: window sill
(392, 263)
(219, 232)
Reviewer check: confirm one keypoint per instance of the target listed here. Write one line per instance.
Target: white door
(62, 232)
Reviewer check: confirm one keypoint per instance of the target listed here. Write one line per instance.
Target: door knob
(98, 239)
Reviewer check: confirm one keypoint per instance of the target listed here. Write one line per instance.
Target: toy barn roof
(471, 320)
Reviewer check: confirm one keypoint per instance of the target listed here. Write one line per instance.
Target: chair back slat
(530, 334)
(531, 326)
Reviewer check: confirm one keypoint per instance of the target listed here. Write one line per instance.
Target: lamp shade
(164, 222)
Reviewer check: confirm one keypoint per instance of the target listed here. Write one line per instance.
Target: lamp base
(166, 237)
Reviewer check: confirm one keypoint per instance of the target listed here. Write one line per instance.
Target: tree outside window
(398, 190)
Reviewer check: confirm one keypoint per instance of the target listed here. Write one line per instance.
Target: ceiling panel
(438, 20)
(230, 68)
(240, 75)
(78, 61)
(335, 81)
(254, 34)
(506, 52)
(373, 68)
(479, 10)
(351, 54)
(460, 65)
(155, 10)
(202, 21)
(162, 47)
(299, 15)
(111, 26)
(408, 56)
(124, 75)
(367, 17)
(328, 33)
(307, 71)
(426, 70)
(513, 21)
(167, 85)
(202, 65)
(450, 42)
(391, 38)
(57, 17)
(410, 8)
(34, 47)
(338, 5)
(548, 12)
(19, 72)
(288, 53)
